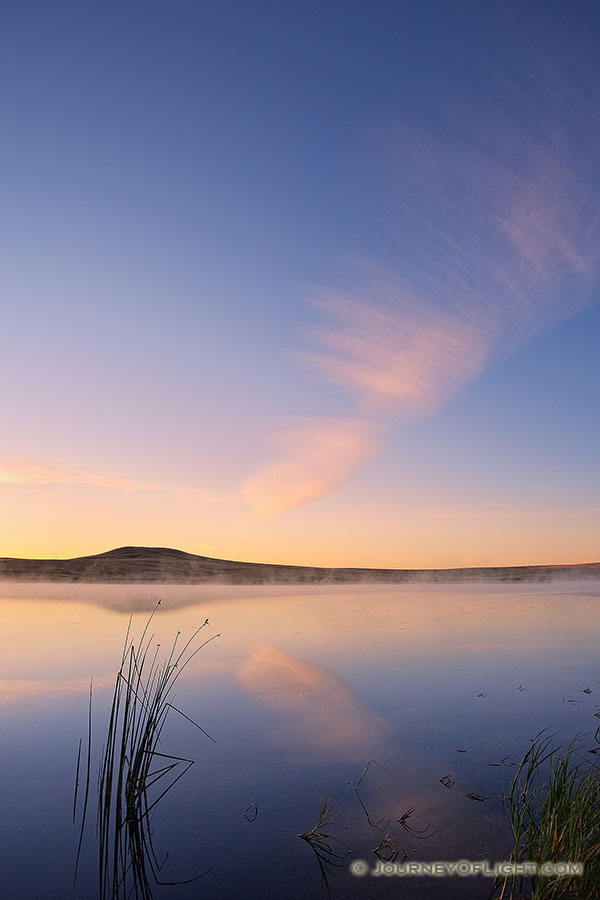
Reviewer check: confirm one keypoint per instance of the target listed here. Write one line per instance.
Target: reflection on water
(303, 687)
(320, 712)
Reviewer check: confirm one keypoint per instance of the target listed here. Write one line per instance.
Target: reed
(554, 811)
(134, 775)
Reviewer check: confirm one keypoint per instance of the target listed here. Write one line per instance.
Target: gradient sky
(301, 282)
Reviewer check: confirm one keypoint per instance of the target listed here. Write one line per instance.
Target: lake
(303, 687)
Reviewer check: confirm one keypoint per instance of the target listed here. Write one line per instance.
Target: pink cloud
(492, 227)
(315, 457)
(400, 359)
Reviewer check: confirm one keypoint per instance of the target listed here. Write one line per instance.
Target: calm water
(301, 689)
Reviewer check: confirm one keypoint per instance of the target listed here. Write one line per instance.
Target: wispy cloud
(519, 513)
(400, 358)
(315, 456)
(17, 470)
(492, 229)
(500, 226)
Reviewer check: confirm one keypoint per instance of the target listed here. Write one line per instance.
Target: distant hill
(128, 565)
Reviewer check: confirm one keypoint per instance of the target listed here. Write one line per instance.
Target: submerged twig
(414, 832)
(388, 816)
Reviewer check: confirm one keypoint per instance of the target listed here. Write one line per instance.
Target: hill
(127, 565)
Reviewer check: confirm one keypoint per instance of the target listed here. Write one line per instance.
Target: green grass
(554, 810)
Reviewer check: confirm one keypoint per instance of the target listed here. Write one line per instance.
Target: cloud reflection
(17, 691)
(321, 710)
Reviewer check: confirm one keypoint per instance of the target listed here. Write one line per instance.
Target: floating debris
(447, 781)
(507, 761)
(522, 688)
(371, 762)
(586, 691)
(387, 818)
(461, 751)
(415, 832)
(482, 695)
(251, 813)
(387, 849)
(479, 797)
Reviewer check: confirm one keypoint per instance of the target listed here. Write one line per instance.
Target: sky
(301, 283)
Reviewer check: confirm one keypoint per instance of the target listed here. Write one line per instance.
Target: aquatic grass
(320, 840)
(554, 809)
(389, 847)
(387, 818)
(326, 846)
(87, 786)
(76, 780)
(134, 775)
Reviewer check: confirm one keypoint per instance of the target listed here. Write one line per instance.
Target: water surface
(303, 687)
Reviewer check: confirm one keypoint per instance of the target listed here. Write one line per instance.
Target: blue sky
(274, 272)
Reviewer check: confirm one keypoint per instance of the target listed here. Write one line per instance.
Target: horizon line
(300, 566)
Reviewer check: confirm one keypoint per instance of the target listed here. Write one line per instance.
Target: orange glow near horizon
(46, 522)
(318, 557)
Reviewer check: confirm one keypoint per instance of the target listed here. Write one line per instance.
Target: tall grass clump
(134, 775)
(554, 811)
